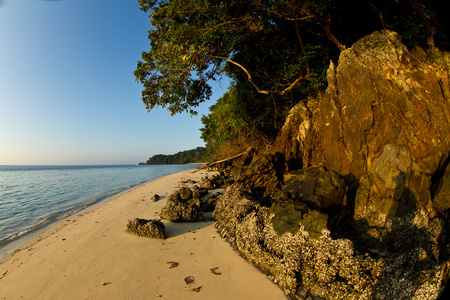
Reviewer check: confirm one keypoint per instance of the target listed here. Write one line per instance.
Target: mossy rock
(315, 222)
(286, 217)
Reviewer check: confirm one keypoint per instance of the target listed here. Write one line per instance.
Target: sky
(67, 91)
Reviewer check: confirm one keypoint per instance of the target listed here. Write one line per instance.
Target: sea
(33, 197)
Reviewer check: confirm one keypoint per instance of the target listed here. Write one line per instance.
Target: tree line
(197, 155)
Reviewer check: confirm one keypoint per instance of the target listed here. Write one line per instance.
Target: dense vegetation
(197, 155)
(276, 53)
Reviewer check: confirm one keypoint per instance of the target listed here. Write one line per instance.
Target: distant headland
(197, 155)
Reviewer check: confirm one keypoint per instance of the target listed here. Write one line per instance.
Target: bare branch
(266, 92)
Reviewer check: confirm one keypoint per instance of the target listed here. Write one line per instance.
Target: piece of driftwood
(226, 159)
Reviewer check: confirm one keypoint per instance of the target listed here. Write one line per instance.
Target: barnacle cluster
(306, 267)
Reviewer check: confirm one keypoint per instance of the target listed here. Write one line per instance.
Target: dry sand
(91, 256)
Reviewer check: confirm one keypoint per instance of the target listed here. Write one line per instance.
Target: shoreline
(72, 258)
(24, 234)
(36, 230)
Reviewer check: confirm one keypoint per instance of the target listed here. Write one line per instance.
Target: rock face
(384, 121)
(370, 160)
(147, 228)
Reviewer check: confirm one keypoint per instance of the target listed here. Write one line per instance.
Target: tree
(192, 41)
(280, 47)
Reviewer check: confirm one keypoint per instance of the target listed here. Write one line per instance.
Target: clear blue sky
(67, 90)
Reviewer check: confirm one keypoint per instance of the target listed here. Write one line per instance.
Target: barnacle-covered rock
(182, 211)
(320, 266)
(147, 228)
(185, 193)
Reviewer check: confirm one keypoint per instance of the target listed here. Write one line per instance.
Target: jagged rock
(182, 212)
(382, 193)
(264, 171)
(315, 186)
(382, 100)
(155, 198)
(315, 223)
(147, 228)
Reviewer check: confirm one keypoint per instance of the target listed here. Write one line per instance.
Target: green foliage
(270, 43)
(197, 155)
(225, 120)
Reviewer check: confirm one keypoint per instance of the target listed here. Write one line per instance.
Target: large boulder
(385, 104)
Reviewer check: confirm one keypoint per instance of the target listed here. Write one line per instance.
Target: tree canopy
(278, 47)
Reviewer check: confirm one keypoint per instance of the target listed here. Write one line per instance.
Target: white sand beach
(91, 256)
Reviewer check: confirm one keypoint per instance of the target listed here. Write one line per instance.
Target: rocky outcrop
(147, 228)
(358, 182)
(383, 120)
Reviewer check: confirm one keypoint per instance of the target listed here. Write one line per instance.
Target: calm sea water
(31, 197)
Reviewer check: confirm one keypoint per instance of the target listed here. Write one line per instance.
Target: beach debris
(196, 290)
(146, 228)
(102, 283)
(155, 198)
(189, 279)
(173, 264)
(213, 271)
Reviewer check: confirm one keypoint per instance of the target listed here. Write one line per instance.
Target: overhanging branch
(261, 91)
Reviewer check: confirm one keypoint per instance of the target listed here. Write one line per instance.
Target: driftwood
(226, 159)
